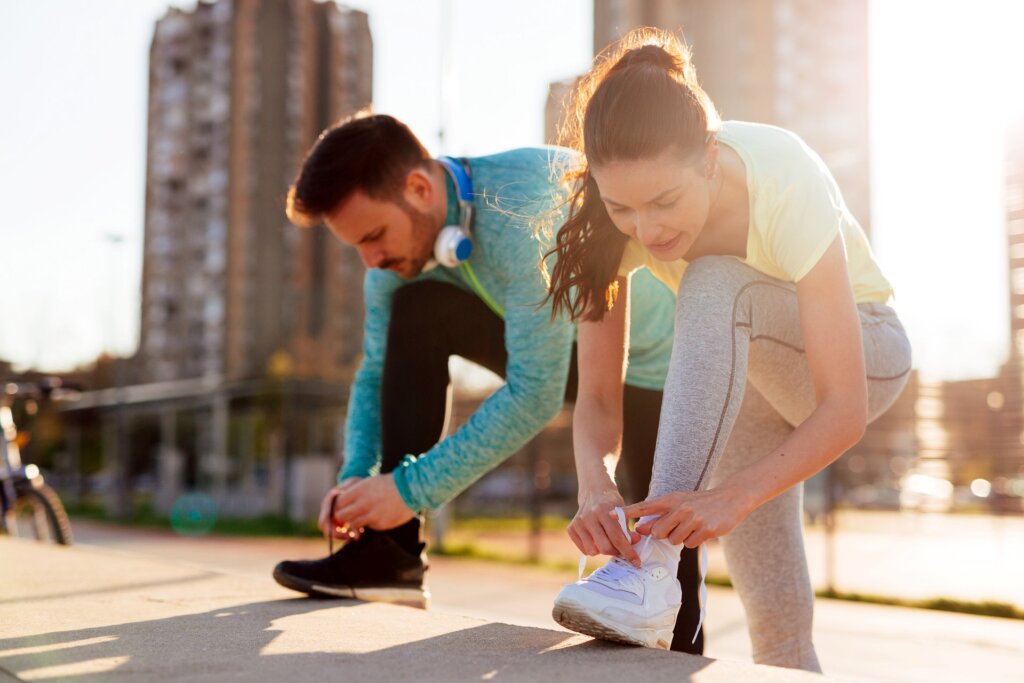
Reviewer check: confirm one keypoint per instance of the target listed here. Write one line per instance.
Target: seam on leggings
(732, 372)
(777, 341)
(800, 350)
(885, 379)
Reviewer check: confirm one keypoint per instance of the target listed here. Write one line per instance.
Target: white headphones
(454, 244)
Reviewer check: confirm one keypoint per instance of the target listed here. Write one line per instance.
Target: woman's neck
(725, 232)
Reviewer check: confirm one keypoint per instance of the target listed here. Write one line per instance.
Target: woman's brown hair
(640, 99)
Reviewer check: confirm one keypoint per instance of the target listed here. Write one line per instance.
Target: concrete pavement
(92, 614)
(855, 641)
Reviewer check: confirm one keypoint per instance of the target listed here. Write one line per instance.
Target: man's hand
(373, 502)
(327, 526)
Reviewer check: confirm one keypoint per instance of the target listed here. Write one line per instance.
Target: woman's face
(662, 201)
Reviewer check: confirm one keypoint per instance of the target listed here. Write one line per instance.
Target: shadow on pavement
(238, 643)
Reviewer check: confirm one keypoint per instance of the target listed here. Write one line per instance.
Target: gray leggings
(735, 324)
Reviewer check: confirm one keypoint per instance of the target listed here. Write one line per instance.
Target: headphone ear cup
(453, 246)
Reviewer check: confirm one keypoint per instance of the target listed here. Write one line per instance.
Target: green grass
(521, 524)
(143, 516)
(986, 608)
(472, 552)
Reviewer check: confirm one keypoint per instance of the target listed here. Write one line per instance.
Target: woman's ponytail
(641, 98)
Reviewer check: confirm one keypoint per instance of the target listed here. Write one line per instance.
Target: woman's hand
(595, 529)
(690, 518)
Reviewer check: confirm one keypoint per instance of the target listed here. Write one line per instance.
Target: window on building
(1017, 280)
(1015, 197)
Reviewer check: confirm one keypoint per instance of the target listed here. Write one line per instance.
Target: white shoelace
(623, 573)
(702, 594)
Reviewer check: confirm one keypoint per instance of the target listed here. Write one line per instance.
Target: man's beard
(421, 250)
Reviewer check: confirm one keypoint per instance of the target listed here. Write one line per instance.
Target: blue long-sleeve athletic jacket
(510, 191)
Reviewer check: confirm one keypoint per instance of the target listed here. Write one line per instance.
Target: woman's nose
(646, 230)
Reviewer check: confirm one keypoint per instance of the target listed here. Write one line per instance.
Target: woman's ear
(711, 156)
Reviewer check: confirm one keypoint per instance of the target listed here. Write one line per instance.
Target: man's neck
(444, 195)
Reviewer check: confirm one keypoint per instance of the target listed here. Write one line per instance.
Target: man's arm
(362, 423)
(538, 364)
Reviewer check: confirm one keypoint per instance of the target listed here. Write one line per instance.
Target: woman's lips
(666, 246)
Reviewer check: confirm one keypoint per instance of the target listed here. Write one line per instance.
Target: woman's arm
(830, 325)
(597, 430)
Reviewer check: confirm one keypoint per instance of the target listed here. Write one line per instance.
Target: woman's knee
(712, 283)
(710, 271)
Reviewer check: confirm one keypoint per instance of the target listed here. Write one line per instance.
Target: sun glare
(943, 91)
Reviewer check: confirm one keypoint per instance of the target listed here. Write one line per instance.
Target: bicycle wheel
(38, 513)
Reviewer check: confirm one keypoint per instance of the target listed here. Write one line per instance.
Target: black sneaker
(374, 568)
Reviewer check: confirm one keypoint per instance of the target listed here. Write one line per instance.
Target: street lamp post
(121, 493)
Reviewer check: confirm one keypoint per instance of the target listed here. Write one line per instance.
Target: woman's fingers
(621, 543)
(654, 506)
(576, 539)
(601, 541)
(680, 534)
(697, 538)
(587, 544)
(663, 526)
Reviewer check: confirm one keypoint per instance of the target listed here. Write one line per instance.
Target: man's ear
(419, 189)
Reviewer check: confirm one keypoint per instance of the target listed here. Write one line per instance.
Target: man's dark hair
(372, 153)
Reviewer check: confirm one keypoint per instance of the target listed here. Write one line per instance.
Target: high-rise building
(799, 64)
(1015, 235)
(1007, 401)
(239, 90)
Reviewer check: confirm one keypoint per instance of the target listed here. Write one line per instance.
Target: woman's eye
(666, 205)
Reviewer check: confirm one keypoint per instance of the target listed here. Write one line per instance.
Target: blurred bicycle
(29, 507)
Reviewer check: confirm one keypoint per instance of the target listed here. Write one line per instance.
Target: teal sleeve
(362, 423)
(652, 308)
(533, 393)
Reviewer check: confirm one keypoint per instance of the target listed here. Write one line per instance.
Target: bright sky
(73, 132)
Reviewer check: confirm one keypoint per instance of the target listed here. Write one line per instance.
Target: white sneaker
(624, 603)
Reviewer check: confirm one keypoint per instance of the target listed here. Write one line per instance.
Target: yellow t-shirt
(796, 210)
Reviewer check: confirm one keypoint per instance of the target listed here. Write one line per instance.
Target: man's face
(393, 235)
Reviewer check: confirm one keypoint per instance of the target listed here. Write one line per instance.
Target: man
(452, 258)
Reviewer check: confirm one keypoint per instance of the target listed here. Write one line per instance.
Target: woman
(784, 349)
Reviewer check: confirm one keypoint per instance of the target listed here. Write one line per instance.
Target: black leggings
(431, 321)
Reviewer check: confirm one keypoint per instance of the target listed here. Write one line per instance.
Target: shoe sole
(578, 618)
(395, 595)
